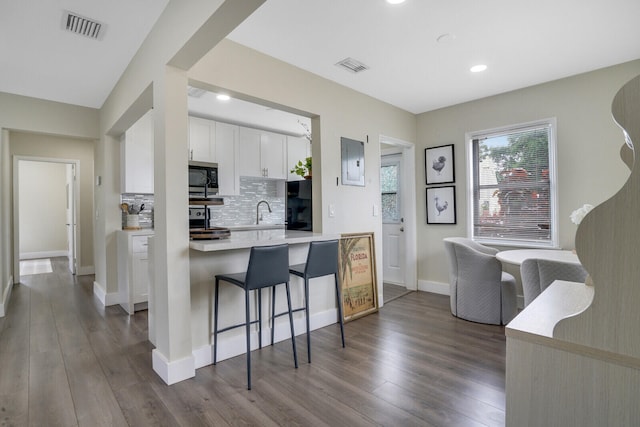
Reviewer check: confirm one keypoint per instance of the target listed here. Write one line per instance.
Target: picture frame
(441, 205)
(439, 165)
(357, 271)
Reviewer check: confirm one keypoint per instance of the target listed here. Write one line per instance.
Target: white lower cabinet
(133, 269)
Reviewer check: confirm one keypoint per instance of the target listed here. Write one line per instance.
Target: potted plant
(303, 169)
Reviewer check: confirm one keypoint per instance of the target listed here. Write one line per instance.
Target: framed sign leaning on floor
(357, 271)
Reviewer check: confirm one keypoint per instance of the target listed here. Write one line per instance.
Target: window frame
(551, 123)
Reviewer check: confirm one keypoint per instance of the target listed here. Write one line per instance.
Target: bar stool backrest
(322, 259)
(268, 266)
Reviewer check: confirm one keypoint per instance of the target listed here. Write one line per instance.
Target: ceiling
(523, 43)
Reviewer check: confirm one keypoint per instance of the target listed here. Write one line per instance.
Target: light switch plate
(332, 210)
(375, 209)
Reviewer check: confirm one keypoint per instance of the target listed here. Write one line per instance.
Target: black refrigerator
(299, 205)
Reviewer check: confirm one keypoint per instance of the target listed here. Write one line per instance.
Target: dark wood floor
(391, 292)
(65, 361)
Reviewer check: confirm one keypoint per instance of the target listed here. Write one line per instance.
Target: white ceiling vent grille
(352, 65)
(83, 26)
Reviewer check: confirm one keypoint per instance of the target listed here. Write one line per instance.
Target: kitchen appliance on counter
(299, 205)
(203, 179)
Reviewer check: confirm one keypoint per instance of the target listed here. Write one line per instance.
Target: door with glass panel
(393, 243)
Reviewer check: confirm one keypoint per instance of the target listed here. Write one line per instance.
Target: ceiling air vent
(352, 65)
(83, 26)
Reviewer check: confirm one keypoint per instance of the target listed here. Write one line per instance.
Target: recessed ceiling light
(223, 97)
(478, 68)
(395, 1)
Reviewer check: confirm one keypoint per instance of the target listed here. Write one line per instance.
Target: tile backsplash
(146, 216)
(241, 210)
(237, 210)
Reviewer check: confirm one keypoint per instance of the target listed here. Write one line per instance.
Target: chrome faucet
(258, 210)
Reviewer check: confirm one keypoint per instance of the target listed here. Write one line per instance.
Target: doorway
(45, 203)
(398, 213)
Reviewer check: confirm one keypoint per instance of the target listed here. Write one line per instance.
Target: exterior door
(393, 240)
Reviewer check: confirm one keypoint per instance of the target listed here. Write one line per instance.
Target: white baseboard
(231, 346)
(43, 254)
(173, 372)
(105, 298)
(86, 270)
(6, 295)
(433, 287)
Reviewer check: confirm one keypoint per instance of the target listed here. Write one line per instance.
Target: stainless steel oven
(203, 179)
(197, 217)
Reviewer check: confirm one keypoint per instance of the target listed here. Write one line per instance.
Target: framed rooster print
(439, 167)
(441, 205)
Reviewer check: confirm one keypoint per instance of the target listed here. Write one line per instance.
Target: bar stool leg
(259, 291)
(248, 331)
(215, 323)
(339, 297)
(306, 309)
(273, 312)
(293, 334)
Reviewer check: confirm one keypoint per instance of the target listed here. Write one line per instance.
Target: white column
(172, 358)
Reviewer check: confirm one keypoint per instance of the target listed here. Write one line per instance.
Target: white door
(393, 240)
(71, 217)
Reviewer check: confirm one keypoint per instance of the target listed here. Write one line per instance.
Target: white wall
(588, 141)
(42, 206)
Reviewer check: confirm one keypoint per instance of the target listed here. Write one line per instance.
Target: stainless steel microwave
(203, 178)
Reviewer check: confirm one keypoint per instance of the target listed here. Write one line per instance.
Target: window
(389, 183)
(512, 197)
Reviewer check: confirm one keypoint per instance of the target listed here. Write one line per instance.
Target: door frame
(75, 200)
(408, 186)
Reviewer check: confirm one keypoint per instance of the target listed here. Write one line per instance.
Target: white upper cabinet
(215, 142)
(263, 154)
(227, 151)
(298, 149)
(136, 157)
(202, 140)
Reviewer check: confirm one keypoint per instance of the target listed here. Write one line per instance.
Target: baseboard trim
(105, 298)
(173, 372)
(43, 254)
(231, 346)
(86, 270)
(6, 296)
(434, 287)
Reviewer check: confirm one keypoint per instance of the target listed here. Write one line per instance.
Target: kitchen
(252, 194)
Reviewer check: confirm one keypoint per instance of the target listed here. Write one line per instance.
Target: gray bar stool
(268, 266)
(322, 260)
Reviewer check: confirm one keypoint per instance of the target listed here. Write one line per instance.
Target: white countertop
(560, 300)
(248, 238)
(141, 232)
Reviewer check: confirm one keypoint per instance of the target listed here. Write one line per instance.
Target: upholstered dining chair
(538, 274)
(480, 291)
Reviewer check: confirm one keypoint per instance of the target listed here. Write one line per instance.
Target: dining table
(517, 256)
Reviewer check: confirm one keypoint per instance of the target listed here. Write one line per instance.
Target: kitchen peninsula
(210, 257)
